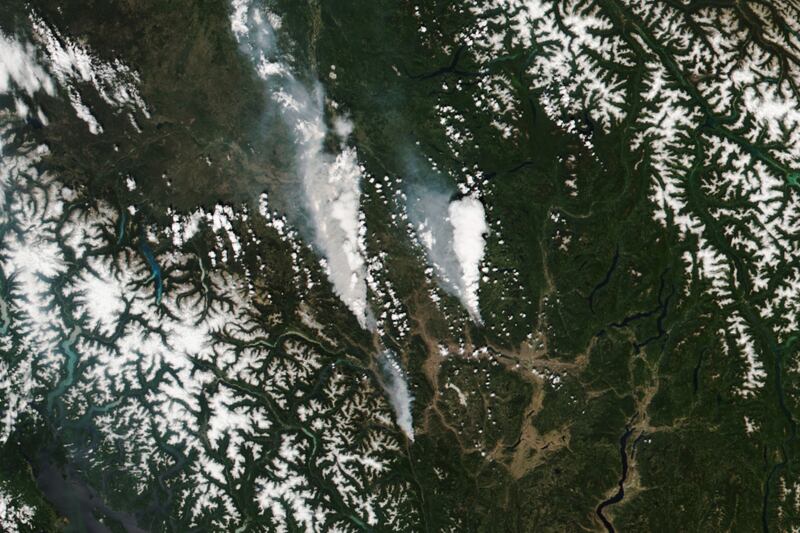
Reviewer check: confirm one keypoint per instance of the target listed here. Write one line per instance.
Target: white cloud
(15, 515)
(19, 70)
(71, 63)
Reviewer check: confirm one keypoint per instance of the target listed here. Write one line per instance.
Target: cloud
(19, 69)
(72, 62)
(331, 182)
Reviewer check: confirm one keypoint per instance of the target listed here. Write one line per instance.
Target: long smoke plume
(331, 184)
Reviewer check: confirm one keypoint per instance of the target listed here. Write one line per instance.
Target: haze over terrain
(490, 266)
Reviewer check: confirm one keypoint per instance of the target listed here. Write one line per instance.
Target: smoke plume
(331, 182)
(452, 233)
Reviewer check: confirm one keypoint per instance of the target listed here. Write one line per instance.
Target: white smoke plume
(452, 233)
(331, 183)
(468, 219)
(397, 388)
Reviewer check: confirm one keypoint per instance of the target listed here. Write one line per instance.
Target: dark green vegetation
(601, 333)
(205, 104)
(635, 341)
(15, 471)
